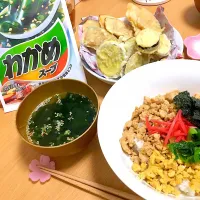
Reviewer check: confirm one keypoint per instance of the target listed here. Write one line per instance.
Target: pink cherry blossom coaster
(36, 174)
(193, 46)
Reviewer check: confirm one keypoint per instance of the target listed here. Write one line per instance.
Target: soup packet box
(37, 45)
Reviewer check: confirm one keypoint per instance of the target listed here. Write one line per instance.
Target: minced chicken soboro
(152, 161)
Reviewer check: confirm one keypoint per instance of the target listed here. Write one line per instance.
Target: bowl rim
(78, 138)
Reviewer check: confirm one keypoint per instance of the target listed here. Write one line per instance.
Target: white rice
(139, 143)
(185, 188)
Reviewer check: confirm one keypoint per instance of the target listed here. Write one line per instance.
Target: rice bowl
(121, 101)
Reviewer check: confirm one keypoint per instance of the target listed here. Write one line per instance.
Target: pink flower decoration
(193, 46)
(36, 174)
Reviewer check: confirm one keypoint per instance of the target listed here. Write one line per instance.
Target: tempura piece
(95, 36)
(135, 61)
(141, 18)
(164, 46)
(102, 20)
(111, 57)
(130, 46)
(118, 28)
(90, 23)
(147, 41)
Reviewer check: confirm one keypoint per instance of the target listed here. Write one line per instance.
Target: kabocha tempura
(163, 141)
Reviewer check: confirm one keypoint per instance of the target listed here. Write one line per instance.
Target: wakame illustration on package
(37, 45)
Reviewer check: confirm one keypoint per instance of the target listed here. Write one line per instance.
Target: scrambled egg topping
(165, 175)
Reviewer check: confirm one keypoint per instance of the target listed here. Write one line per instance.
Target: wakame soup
(60, 119)
(20, 16)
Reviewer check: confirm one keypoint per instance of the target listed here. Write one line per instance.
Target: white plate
(119, 103)
(150, 2)
(180, 44)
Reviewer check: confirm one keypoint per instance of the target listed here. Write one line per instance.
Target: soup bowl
(48, 90)
(197, 4)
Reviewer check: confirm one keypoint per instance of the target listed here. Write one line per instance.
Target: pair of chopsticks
(89, 186)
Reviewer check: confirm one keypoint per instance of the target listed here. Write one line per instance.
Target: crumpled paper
(89, 57)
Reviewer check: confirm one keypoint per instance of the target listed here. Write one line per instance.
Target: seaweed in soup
(60, 119)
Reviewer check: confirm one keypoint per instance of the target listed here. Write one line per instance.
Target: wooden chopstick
(87, 188)
(76, 180)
